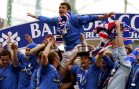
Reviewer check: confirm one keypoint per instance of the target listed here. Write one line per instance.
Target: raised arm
(107, 15)
(120, 41)
(9, 42)
(48, 20)
(14, 52)
(70, 63)
(98, 59)
(82, 37)
(124, 60)
(37, 48)
(44, 60)
(28, 38)
(32, 15)
(41, 46)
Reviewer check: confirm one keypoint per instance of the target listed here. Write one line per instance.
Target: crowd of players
(114, 64)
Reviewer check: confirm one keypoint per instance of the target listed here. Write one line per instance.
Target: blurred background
(14, 12)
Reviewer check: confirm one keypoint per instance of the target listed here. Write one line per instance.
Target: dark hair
(51, 57)
(5, 53)
(39, 54)
(129, 50)
(1, 43)
(81, 54)
(67, 5)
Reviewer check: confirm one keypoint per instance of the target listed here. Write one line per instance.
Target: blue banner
(38, 30)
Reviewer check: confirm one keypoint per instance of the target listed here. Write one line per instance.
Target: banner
(38, 30)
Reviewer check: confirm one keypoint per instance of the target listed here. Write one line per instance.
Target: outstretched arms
(31, 15)
(107, 15)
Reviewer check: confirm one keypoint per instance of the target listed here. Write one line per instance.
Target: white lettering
(89, 26)
(35, 30)
(123, 16)
(97, 23)
(133, 21)
(46, 29)
(110, 19)
(90, 35)
(54, 28)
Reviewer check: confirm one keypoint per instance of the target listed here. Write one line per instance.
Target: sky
(82, 6)
(3, 8)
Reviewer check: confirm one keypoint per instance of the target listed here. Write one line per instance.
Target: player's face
(5, 60)
(63, 10)
(85, 62)
(27, 52)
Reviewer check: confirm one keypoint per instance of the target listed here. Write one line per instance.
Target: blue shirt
(134, 78)
(8, 77)
(134, 75)
(87, 79)
(127, 36)
(127, 31)
(26, 68)
(33, 81)
(74, 28)
(105, 72)
(49, 78)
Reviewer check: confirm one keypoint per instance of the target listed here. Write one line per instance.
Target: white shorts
(68, 54)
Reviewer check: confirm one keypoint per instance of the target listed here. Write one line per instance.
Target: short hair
(49, 36)
(51, 57)
(67, 5)
(129, 49)
(81, 54)
(5, 53)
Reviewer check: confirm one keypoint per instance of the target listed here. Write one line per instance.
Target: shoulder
(75, 68)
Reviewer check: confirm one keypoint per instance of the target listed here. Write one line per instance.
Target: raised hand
(28, 38)
(31, 15)
(107, 15)
(14, 46)
(9, 38)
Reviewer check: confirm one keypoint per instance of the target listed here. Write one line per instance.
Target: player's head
(5, 57)
(85, 60)
(54, 58)
(28, 48)
(128, 50)
(64, 8)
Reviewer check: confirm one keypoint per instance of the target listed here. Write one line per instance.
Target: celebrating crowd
(113, 64)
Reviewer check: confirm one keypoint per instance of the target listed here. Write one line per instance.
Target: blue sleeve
(93, 59)
(85, 19)
(108, 61)
(74, 69)
(127, 38)
(51, 21)
(95, 68)
(33, 81)
(126, 42)
(21, 56)
(115, 54)
(133, 56)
